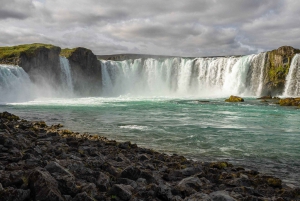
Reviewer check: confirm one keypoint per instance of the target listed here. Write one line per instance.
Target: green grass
(67, 52)
(7, 53)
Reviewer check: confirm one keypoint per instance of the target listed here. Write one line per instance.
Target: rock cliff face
(40, 61)
(277, 67)
(86, 71)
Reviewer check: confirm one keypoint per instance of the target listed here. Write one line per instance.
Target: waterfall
(15, 84)
(66, 77)
(292, 86)
(219, 76)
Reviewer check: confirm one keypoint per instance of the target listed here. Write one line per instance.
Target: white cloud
(187, 28)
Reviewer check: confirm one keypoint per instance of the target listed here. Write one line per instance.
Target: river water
(254, 134)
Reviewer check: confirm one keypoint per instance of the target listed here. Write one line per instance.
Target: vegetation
(8, 54)
(67, 52)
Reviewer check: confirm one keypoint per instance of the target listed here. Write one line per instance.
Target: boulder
(289, 102)
(189, 185)
(234, 99)
(221, 196)
(131, 172)
(198, 196)
(122, 191)
(12, 194)
(43, 186)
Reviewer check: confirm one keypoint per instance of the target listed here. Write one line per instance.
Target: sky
(161, 27)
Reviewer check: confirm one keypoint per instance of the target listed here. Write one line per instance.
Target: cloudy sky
(166, 27)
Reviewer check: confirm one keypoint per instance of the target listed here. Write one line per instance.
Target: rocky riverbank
(40, 162)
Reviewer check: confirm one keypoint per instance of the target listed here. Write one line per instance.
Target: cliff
(277, 67)
(40, 61)
(86, 70)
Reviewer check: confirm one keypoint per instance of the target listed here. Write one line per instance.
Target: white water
(14, 83)
(204, 77)
(292, 87)
(66, 76)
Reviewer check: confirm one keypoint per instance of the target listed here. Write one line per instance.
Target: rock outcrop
(277, 67)
(40, 61)
(40, 162)
(289, 102)
(234, 99)
(86, 70)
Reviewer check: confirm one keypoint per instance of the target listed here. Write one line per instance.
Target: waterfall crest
(219, 76)
(292, 86)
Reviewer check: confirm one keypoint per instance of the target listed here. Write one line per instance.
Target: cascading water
(292, 87)
(66, 76)
(15, 84)
(221, 76)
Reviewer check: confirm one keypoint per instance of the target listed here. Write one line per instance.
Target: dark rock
(198, 196)
(164, 192)
(43, 186)
(82, 197)
(103, 182)
(125, 145)
(125, 181)
(189, 185)
(131, 172)
(90, 189)
(11, 194)
(221, 196)
(54, 167)
(86, 69)
(67, 184)
(177, 198)
(122, 191)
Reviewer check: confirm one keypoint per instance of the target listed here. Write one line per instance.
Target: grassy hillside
(9, 54)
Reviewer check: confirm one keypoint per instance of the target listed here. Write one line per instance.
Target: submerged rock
(234, 99)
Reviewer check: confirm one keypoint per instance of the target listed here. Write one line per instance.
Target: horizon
(190, 28)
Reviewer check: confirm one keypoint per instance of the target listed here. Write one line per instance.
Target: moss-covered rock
(11, 55)
(9, 116)
(234, 99)
(289, 102)
(277, 68)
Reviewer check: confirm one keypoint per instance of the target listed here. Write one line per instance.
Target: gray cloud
(18, 9)
(187, 28)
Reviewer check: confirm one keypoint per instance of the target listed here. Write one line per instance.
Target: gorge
(78, 72)
(170, 104)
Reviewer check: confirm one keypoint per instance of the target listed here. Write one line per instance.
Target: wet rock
(122, 191)
(125, 145)
(289, 102)
(234, 99)
(221, 196)
(43, 185)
